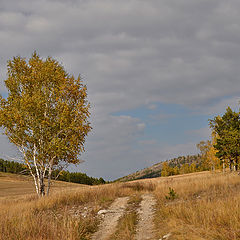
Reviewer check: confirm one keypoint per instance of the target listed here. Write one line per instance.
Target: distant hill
(156, 169)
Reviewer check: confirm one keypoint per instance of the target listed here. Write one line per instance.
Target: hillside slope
(155, 170)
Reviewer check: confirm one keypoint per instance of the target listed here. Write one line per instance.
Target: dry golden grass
(207, 207)
(19, 186)
(52, 217)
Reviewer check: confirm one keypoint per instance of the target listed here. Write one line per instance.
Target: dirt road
(110, 219)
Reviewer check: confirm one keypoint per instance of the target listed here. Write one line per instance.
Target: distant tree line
(12, 167)
(77, 177)
(221, 151)
(74, 177)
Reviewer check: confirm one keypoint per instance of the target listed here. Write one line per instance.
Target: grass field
(206, 206)
(18, 186)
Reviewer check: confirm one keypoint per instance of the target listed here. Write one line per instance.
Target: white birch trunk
(49, 175)
(22, 150)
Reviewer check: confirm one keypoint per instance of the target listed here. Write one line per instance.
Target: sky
(155, 71)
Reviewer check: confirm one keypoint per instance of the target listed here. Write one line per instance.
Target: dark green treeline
(74, 177)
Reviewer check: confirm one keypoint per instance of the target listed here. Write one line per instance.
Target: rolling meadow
(203, 205)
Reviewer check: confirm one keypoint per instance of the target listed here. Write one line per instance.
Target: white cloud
(138, 48)
(162, 116)
(218, 107)
(110, 144)
(152, 106)
(131, 54)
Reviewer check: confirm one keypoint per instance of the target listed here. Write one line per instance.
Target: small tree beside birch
(46, 115)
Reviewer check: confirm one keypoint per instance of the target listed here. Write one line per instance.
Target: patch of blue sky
(177, 129)
(4, 94)
(169, 123)
(144, 111)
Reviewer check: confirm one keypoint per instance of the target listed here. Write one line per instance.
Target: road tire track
(110, 219)
(145, 226)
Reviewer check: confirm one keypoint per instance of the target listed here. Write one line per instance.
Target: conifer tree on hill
(227, 144)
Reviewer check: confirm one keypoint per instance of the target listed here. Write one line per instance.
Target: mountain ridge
(156, 169)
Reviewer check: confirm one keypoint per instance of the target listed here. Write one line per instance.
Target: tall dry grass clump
(207, 207)
(58, 216)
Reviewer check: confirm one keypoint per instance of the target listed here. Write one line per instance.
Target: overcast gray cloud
(132, 54)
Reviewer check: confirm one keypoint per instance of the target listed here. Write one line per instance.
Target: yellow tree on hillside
(211, 159)
(165, 170)
(208, 152)
(193, 167)
(185, 168)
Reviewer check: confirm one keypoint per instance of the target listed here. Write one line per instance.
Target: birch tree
(46, 115)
